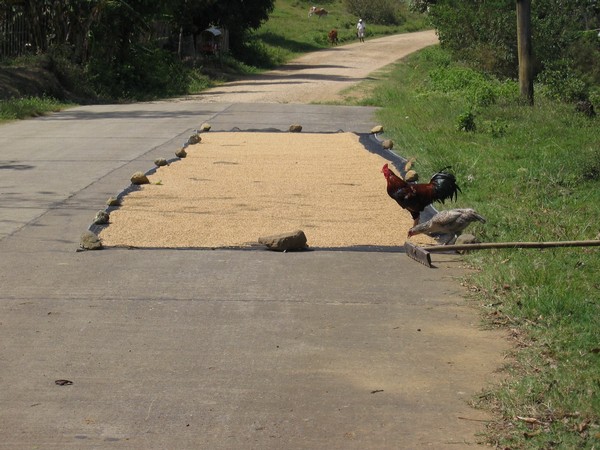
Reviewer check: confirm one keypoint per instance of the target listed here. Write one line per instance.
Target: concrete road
(176, 349)
(46, 161)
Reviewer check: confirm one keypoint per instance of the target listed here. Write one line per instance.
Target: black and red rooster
(415, 197)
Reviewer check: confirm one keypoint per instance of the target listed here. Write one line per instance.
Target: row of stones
(295, 240)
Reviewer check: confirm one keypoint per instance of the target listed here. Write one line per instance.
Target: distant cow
(332, 36)
(318, 11)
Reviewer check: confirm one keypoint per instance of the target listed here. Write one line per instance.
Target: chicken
(414, 197)
(450, 222)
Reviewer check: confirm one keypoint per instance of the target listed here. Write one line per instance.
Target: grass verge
(534, 172)
(21, 108)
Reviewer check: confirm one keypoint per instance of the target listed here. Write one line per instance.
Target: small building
(213, 41)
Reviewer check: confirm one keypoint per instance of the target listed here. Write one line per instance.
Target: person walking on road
(360, 30)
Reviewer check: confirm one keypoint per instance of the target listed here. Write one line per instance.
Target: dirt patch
(40, 77)
(16, 82)
(233, 188)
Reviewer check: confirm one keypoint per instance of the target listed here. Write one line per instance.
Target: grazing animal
(333, 37)
(451, 222)
(415, 197)
(318, 11)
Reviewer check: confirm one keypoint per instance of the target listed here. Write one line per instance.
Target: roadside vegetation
(534, 173)
(24, 107)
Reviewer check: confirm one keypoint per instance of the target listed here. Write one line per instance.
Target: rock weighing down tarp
(233, 188)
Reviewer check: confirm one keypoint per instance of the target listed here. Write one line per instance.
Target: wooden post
(525, 49)
(180, 43)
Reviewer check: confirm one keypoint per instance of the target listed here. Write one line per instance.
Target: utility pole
(525, 49)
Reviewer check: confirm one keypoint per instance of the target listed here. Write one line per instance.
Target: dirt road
(320, 76)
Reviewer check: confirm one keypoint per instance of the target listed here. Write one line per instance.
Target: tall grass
(22, 108)
(534, 172)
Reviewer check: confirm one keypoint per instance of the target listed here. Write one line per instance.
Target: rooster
(416, 197)
(451, 222)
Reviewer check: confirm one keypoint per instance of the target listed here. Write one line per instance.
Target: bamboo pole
(490, 245)
(423, 254)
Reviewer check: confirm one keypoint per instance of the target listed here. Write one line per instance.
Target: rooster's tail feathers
(445, 186)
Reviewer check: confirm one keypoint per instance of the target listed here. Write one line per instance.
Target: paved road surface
(221, 349)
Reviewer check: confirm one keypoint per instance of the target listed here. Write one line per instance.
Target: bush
(419, 6)
(466, 122)
(476, 88)
(21, 108)
(497, 128)
(594, 96)
(585, 52)
(483, 34)
(466, 82)
(255, 53)
(147, 73)
(560, 82)
(383, 12)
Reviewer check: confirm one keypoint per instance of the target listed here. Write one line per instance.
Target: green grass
(22, 108)
(534, 172)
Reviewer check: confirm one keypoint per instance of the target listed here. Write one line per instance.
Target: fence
(17, 38)
(15, 34)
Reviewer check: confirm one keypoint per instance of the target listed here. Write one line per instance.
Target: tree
(190, 17)
(238, 16)
(482, 32)
(113, 39)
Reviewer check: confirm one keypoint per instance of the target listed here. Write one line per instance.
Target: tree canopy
(116, 40)
(482, 33)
